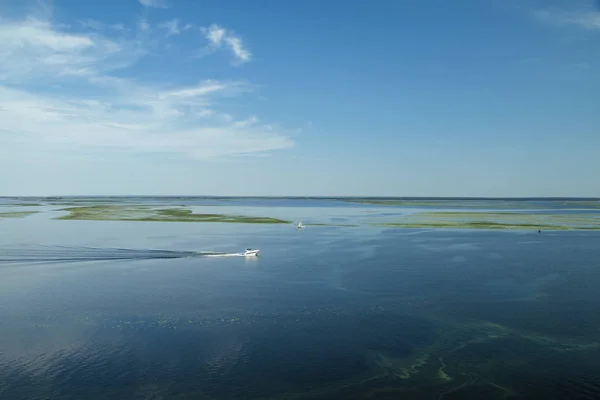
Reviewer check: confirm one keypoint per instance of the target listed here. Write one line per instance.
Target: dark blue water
(323, 313)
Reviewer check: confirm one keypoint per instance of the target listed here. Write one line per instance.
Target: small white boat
(300, 226)
(251, 252)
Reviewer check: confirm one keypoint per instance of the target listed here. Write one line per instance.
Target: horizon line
(309, 197)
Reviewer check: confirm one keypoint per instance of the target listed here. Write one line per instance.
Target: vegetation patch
(481, 203)
(17, 214)
(474, 225)
(333, 224)
(498, 220)
(21, 205)
(148, 214)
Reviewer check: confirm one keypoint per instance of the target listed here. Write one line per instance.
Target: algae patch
(148, 214)
(17, 214)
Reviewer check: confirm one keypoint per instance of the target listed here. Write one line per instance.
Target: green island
(22, 205)
(496, 220)
(478, 203)
(514, 220)
(147, 214)
(17, 214)
(475, 225)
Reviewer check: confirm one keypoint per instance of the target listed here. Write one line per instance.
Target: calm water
(323, 313)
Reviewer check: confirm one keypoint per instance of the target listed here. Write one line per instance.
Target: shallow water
(323, 313)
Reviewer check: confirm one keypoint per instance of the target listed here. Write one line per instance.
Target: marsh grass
(497, 220)
(149, 214)
(21, 205)
(326, 224)
(475, 225)
(17, 214)
(482, 204)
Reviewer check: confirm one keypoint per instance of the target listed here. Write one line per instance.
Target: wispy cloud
(583, 15)
(207, 87)
(33, 48)
(220, 37)
(99, 26)
(171, 26)
(174, 27)
(93, 109)
(154, 3)
(582, 65)
(143, 25)
(247, 122)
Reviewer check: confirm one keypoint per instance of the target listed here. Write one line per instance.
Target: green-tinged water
(129, 302)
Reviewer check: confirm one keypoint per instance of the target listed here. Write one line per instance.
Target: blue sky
(387, 98)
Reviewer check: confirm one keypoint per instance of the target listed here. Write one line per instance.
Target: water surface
(324, 313)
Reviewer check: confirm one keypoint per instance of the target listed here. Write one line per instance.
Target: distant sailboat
(300, 226)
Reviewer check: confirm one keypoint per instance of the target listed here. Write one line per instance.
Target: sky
(494, 98)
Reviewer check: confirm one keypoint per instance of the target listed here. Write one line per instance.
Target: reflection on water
(323, 314)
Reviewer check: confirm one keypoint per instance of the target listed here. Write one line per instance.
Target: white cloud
(34, 48)
(154, 3)
(38, 34)
(215, 34)
(238, 49)
(106, 113)
(219, 37)
(140, 122)
(207, 87)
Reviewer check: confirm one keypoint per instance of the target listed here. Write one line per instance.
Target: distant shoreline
(380, 198)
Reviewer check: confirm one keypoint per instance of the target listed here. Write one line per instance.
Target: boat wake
(45, 254)
(222, 254)
(247, 253)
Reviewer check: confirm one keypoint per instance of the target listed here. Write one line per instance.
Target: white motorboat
(251, 252)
